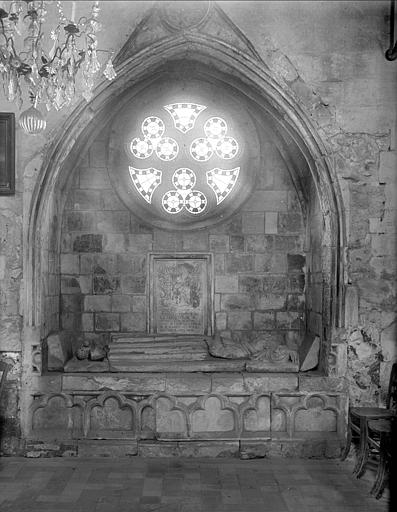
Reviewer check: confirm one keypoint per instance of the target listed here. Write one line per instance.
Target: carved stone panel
(171, 420)
(214, 416)
(256, 415)
(56, 415)
(110, 415)
(181, 291)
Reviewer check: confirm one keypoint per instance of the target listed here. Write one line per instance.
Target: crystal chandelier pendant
(32, 121)
(54, 76)
(109, 71)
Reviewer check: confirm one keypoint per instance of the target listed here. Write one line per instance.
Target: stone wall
(11, 318)
(332, 59)
(258, 257)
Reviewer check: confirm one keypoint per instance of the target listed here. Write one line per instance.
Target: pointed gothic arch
(237, 65)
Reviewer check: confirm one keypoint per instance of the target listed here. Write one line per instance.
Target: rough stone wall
(258, 258)
(11, 279)
(369, 172)
(331, 56)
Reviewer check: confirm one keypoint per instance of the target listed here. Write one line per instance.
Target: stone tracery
(201, 149)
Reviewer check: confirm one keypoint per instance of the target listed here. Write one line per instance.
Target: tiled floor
(183, 485)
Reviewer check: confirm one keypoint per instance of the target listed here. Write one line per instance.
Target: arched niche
(280, 116)
(176, 80)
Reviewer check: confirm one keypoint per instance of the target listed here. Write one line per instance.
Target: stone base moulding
(187, 415)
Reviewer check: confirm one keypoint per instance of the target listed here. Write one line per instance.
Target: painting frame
(7, 153)
(202, 261)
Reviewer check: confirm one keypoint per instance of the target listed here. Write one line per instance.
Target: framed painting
(181, 290)
(7, 153)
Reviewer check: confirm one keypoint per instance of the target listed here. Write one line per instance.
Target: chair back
(391, 400)
(4, 367)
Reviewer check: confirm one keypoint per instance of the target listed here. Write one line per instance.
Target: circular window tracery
(227, 148)
(201, 150)
(141, 148)
(153, 127)
(172, 201)
(189, 162)
(184, 116)
(184, 179)
(195, 202)
(167, 149)
(215, 128)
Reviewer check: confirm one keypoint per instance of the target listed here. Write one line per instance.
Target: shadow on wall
(10, 431)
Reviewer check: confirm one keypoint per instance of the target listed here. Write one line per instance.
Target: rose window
(155, 143)
(184, 153)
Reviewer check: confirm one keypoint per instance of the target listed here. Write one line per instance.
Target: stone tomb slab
(163, 353)
(125, 348)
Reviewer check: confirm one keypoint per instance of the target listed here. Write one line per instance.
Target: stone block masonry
(258, 257)
(211, 407)
(346, 91)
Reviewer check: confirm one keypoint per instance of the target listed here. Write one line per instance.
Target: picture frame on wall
(7, 153)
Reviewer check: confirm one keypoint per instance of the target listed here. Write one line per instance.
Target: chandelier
(51, 77)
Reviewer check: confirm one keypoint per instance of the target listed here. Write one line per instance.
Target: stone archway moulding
(85, 122)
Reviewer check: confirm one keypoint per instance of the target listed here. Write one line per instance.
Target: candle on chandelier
(73, 16)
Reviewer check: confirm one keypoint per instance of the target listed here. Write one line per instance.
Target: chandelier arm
(55, 55)
(65, 46)
(92, 39)
(59, 51)
(10, 40)
(81, 22)
(79, 62)
(32, 14)
(7, 39)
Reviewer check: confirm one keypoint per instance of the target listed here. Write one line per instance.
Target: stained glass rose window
(188, 160)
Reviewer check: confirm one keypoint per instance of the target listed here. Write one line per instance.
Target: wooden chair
(358, 423)
(380, 438)
(4, 368)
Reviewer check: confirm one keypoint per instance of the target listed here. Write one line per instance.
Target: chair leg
(346, 450)
(362, 456)
(383, 470)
